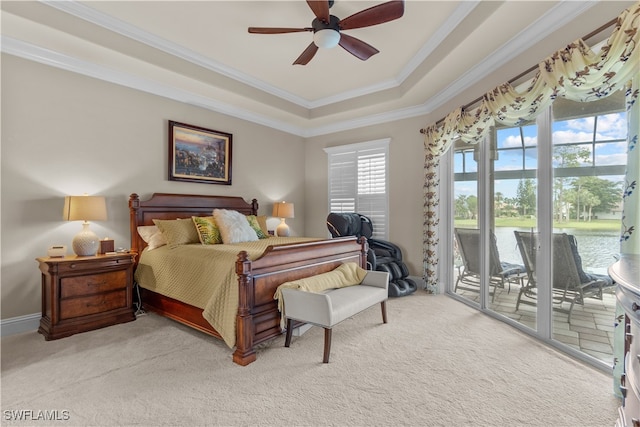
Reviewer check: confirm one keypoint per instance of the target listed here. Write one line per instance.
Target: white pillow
(152, 235)
(234, 227)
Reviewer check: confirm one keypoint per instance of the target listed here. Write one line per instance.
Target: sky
(610, 148)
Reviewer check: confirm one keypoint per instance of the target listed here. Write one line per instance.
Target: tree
(565, 156)
(466, 206)
(580, 197)
(609, 193)
(460, 206)
(472, 205)
(591, 201)
(498, 202)
(510, 206)
(526, 196)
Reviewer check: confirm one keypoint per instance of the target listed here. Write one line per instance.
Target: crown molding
(55, 59)
(557, 17)
(458, 15)
(371, 120)
(115, 25)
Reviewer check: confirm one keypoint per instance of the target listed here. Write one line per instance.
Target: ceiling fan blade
(268, 30)
(357, 47)
(320, 8)
(307, 55)
(375, 15)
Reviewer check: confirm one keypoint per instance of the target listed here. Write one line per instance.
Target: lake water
(597, 248)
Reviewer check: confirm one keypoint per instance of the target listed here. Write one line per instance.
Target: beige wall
(406, 155)
(66, 134)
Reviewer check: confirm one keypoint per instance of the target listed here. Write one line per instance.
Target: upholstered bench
(332, 306)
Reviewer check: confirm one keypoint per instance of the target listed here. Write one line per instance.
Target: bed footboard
(258, 317)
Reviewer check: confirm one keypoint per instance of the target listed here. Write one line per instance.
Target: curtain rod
(533, 68)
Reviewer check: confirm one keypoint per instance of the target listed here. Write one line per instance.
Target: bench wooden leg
(287, 341)
(383, 305)
(327, 345)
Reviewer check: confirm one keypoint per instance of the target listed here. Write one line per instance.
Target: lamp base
(86, 242)
(282, 230)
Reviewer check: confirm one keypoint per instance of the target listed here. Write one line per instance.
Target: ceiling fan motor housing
(333, 24)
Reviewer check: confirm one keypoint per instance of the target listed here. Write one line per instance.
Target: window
(358, 181)
(562, 174)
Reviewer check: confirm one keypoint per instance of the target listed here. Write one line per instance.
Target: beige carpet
(436, 363)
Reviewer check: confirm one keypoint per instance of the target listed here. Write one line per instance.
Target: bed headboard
(172, 206)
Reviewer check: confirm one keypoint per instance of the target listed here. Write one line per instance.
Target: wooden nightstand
(84, 293)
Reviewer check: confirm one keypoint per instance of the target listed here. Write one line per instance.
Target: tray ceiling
(201, 52)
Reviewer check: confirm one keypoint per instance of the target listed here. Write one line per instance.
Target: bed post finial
(134, 201)
(134, 204)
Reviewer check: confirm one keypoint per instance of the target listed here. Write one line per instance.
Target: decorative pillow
(253, 222)
(178, 231)
(234, 226)
(152, 236)
(262, 220)
(208, 231)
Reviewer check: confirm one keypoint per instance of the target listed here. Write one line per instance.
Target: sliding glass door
(589, 159)
(494, 195)
(536, 222)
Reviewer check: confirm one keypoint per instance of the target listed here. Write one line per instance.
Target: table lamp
(282, 210)
(85, 208)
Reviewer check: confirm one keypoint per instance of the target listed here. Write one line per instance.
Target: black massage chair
(382, 255)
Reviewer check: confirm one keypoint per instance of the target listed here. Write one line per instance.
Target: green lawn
(598, 224)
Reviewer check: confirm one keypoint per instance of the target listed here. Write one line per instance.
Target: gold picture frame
(197, 154)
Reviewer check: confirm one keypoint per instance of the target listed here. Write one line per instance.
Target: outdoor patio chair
(570, 282)
(468, 241)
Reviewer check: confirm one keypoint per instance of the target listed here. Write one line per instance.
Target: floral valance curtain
(576, 73)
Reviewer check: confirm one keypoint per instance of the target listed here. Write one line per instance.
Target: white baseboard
(20, 324)
(31, 322)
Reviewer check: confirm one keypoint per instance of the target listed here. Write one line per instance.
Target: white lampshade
(283, 210)
(85, 208)
(326, 38)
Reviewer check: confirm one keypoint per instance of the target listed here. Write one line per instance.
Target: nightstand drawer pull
(101, 283)
(96, 304)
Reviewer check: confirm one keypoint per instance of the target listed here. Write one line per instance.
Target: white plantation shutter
(358, 182)
(342, 182)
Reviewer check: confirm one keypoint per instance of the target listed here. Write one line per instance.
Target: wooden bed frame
(258, 318)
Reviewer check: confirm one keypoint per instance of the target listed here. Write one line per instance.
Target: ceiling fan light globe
(326, 38)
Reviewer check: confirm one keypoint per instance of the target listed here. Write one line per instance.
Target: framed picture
(199, 155)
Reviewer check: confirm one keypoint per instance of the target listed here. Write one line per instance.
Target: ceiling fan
(327, 28)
